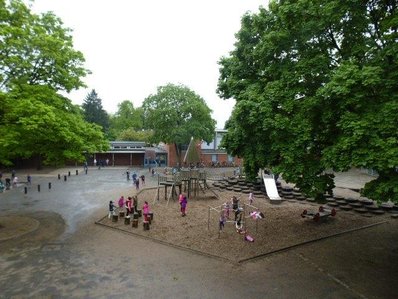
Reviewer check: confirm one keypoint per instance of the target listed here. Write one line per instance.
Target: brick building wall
(205, 157)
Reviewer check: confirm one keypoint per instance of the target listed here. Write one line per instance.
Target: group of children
(14, 181)
(131, 206)
(235, 206)
(136, 179)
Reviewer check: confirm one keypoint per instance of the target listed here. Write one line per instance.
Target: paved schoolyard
(69, 256)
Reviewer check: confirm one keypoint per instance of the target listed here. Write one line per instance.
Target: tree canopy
(315, 89)
(127, 118)
(37, 60)
(175, 114)
(37, 122)
(37, 49)
(135, 135)
(94, 112)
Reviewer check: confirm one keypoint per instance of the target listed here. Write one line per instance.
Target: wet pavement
(69, 256)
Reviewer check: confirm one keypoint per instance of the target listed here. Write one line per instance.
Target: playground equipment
(245, 212)
(173, 181)
(323, 213)
(271, 189)
(192, 180)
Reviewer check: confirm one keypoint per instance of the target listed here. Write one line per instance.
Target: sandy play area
(282, 226)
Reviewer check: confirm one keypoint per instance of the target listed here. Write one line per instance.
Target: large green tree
(37, 49)
(135, 135)
(94, 112)
(37, 60)
(315, 88)
(38, 122)
(126, 118)
(175, 114)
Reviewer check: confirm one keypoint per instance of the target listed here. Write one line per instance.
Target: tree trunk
(178, 154)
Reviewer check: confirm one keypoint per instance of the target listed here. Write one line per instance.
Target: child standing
(15, 181)
(235, 206)
(226, 207)
(135, 204)
(121, 202)
(111, 209)
(183, 205)
(128, 174)
(145, 210)
(127, 204)
(251, 197)
(223, 219)
(134, 177)
(137, 184)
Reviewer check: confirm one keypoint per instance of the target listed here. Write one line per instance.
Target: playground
(67, 255)
(281, 228)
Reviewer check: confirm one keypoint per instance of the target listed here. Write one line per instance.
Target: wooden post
(134, 223)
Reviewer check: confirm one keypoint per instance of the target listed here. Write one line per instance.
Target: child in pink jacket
(121, 202)
(183, 204)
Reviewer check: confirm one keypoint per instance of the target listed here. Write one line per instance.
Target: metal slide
(270, 187)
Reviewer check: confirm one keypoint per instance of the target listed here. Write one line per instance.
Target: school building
(136, 153)
(210, 154)
(130, 153)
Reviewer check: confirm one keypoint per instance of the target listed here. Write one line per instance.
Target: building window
(230, 158)
(214, 158)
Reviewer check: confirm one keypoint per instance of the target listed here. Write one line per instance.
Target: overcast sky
(132, 46)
